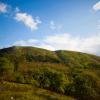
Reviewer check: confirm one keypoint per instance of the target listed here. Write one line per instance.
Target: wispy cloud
(17, 9)
(29, 42)
(3, 8)
(96, 6)
(27, 20)
(66, 41)
(52, 25)
(19, 16)
(55, 26)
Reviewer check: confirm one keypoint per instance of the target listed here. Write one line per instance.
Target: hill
(52, 75)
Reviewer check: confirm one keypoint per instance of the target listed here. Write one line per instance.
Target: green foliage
(85, 85)
(66, 72)
(77, 59)
(5, 65)
(50, 79)
(18, 91)
(83, 88)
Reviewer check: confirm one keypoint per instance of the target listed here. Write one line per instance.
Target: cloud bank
(65, 41)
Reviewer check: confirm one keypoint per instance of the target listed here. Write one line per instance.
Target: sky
(51, 24)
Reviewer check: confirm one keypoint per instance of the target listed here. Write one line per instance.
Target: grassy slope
(28, 61)
(18, 91)
(70, 58)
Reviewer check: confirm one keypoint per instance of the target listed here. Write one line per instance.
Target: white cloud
(62, 41)
(96, 6)
(66, 41)
(3, 8)
(91, 44)
(28, 20)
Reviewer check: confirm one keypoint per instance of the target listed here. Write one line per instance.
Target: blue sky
(51, 24)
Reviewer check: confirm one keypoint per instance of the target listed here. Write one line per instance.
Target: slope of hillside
(79, 59)
(66, 73)
(16, 91)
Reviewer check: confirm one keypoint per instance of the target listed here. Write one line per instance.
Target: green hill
(29, 73)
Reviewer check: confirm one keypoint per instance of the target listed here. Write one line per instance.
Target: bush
(6, 66)
(50, 79)
(83, 88)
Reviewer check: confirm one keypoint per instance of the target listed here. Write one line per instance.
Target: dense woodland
(29, 73)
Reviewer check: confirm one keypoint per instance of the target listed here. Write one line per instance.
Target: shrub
(6, 66)
(50, 79)
(83, 88)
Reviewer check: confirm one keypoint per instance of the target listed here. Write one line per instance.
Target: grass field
(16, 91)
